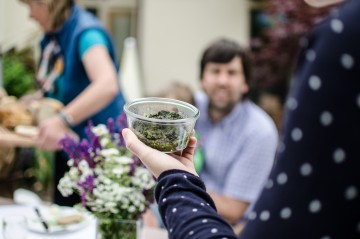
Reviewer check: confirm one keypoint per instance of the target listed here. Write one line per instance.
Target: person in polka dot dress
(313, 191)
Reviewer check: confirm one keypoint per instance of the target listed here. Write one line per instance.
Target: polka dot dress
(314, 190)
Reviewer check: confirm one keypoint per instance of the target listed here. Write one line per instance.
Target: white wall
(16, 29)
(104, 7)
(173, 34)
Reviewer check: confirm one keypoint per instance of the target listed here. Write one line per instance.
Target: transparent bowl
(165, 134)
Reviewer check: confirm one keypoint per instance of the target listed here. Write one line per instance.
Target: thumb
(133, 143)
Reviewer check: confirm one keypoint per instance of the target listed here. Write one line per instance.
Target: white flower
(122, 159)
(109, 152)
(104, 141)
(83, 165)
(65, 186)
(118, 184)
(73, 173)
(70, 162)
(100, 130)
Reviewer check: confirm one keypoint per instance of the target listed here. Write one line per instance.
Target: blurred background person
(239, 139)
(179, 91)
(78, 67)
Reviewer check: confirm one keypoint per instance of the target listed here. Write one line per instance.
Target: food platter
(58, 220)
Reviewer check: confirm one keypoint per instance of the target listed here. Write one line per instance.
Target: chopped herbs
(163, 137)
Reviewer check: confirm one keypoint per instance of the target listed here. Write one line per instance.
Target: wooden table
(11, 139)
(6, 201)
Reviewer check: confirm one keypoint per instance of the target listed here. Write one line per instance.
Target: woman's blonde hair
(59, 10)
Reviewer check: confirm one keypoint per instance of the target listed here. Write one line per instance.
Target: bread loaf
(13, 113)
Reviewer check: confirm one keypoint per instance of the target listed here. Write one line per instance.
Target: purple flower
(86, 186)
(95, 145)
(121, 122)
(70, 146)
(90, 135)
(84, 153)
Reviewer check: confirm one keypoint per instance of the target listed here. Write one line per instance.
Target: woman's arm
(186, 208)
(102, 89)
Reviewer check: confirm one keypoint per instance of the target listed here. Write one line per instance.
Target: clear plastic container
(167, 134)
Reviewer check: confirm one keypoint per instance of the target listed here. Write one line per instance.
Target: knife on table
(43, 222)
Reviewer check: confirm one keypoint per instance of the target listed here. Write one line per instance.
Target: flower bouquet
(112, 183)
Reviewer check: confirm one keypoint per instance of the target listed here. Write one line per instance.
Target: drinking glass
(14, 227)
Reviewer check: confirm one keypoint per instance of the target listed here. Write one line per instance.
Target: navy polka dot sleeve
(313, 191)
(187, 210)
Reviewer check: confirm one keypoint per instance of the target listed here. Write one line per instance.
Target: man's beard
(224, 110)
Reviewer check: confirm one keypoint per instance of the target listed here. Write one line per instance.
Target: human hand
(30, 98)
(158, 162)
(50, 132)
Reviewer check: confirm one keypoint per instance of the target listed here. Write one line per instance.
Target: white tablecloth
(88, 232)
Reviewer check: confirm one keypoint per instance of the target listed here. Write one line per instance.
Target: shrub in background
(19, 72)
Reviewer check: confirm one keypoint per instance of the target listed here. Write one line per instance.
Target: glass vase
(118, 228)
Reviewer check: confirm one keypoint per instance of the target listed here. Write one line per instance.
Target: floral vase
(118, 228)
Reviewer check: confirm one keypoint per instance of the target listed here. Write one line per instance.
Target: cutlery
(43, 222)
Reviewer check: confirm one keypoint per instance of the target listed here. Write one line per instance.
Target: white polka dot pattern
(291, 103)
(358, 100)
(296, 134)
(337, 26)
(174, 210)
(326, 237)
(315, 83)
(326, 118)
(269, 184)
(315, 206)
(339, 155)
(252, 215)
(351, 193)
(282, 178)
(320, 158)
(306, 169)
(347, 61)
(310, 55)
(285, 213)
(264, 215)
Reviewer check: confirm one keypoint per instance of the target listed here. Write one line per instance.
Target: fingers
(189, 151)
(133, 143)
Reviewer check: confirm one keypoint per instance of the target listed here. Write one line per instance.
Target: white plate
(50, 215)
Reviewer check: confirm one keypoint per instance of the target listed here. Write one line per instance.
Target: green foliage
(19, 72)
(43, 169)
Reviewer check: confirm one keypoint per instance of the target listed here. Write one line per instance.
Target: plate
(53, 215)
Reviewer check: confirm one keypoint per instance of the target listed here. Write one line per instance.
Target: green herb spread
(163, 137)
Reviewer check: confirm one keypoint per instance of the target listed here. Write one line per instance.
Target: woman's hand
(158, 162)
(50, 133)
